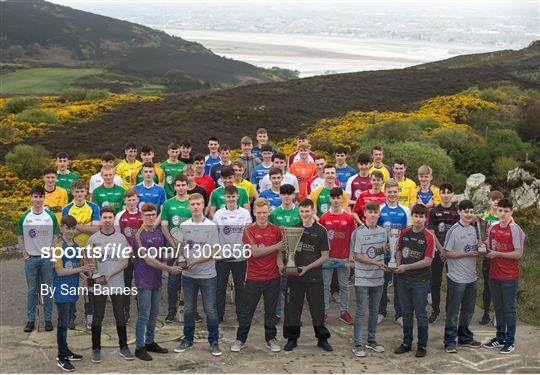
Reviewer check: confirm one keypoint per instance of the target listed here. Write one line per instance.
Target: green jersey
(65, 180)
(139, 178)
(175, 212)
(113, 197)
(217, 198)
(285, 218)
(490, 218)
(323, 202)
(171, 171)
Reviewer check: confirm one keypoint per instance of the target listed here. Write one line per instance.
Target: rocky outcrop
(526, 191)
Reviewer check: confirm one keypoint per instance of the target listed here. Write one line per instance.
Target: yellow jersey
(248, 186)
(386, 170)
(55, 200)
(405, 190)
(84, 214)
(125, 171)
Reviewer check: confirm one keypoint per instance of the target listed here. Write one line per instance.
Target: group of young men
(228, 217)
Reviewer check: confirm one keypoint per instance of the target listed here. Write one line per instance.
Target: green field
(148, 89)
(41, 80)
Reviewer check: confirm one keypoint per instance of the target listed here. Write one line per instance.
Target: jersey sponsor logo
(324, 207)
(441, 227)
(169, 179)
(357, 193)
(32, 233)
(331, 234)
(129, 232)
(106, 203)
(175, 220)
(405, 252)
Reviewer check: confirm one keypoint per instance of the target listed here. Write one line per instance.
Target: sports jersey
(37, 230)
(364, 198)
(259, 172)
(405, 190)
(386, 170)
(316, 182)
(231, 224)
(217, 199)
(505, 239)
(113, 197)
(154, 194)
(63, 284)
(247, 186)
(343, 175)
(84, 214)
(125, 170)
(207, 183)
(371, 243)
(202, 236)
(137, 176)
(313, 242)
(256, 151)
(490, 218)
(64, 180)
(461, 239)
(414, 247)
(249, 162)
(288, 178)
(295, 156)
(394, 217)
(303, 172)
(339, 228)
(171, 170)
(201, 191)
(210, 161)
(441, 219)
(285, 218)
(264, 267)
(321, 200)
(128, 223)
(215, 173)
(175, 212)
(425, 196)
(273, 198)
(55, 200)
(97, 180)
(357, 184)
(146, 276)
(188, 160)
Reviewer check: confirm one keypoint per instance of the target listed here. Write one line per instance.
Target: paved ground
(35, 352)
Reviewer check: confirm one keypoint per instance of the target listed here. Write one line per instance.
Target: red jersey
(505, 239)
(128, 223)
(303, 172)
(265, 267)
(364, 198)
(356, 185)
(340, 228)
(207, 183)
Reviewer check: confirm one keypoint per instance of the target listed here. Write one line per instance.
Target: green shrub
(28, 161)
(37, 116)
(7, 133)
(73, 94)
(503, 164)
(96, 94)
(19, 104)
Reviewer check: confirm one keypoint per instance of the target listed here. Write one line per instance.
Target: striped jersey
(371, 243)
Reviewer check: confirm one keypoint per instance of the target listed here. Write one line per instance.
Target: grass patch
(148, 89)
(42, 80)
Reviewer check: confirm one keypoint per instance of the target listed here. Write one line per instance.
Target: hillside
(39, 33)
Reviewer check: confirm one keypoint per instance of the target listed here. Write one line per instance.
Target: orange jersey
(303, 172)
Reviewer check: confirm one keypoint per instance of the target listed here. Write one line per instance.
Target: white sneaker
(429, 299)
(359, 351)
(237, 346)
(273, 346)
(380, 318)
(399, 321)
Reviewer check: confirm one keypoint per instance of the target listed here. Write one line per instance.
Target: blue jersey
(273, 198)
(343, 175)
(209, 162)
(257, 152)
(394, 217)
(259, 171)
(63, 285)
(155, 195)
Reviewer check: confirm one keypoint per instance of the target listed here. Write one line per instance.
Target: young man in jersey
(115, 258)
(361, 181)
(262, 278)
(406, 185)
(185, 153)
(128, 221)
(109, 194)
(303, 169)
(344, 171)
(147, 156)
(301, 140)
(199, 234)
(172, 167)
(491, 218)
(369, 243)
(148, 190)
(148, 280)
(318, 180)
(213, 155)
(107, 159)
(425, 194)
(262, 140)
(64, 176)
(377, 154)
(262, 169)
(374, 194)
(200, 177)
(505, 245)
(189, 172)
(247, 158)
(321, 195)
(312, 254)
(340, 226)
(37, 228)
(128, 165)
(440, 219)
(280, 161)
(225, 156)
(55, 197)
(273, 194)
(414, 255)
(217, 199)
(173, 213)
(393, 215)
(241, 182)
(231, 221)
(461, 251)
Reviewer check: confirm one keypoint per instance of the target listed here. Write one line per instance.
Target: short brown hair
(106, 209)
(246, 140)
(148, 207)
(261, 202)
(189, 168)
(68, 221)
(78, 184)
(372, 206)
(495, 195)
(377, 174)
(425, 170)
(391, 183)
(196, 197)
(262, 131)
(130, 193)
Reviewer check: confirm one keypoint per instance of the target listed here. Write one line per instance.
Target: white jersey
(288, 178)
(200, 239)
(231, 226)
(97, 180)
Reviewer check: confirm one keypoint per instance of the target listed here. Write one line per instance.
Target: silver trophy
(393, 238)
(181, 260)
(481, 229)
(292, 237)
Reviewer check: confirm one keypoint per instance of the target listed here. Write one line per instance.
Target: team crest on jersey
(32, 233)
(331, 234)
(371, 252)
(175, 220)
(357, 193)
(106, 203)
(169, 179)
(405, 252)
(128, 232)
(324, 207)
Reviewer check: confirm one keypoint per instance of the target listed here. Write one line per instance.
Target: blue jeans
(148, 305)
(460, 300)
(363, 294)
(208, 289)
(38, 271)
(504, 294)
(413, 298)
(65, 311)
(174, 283)
(384, 299)
(343, 280)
